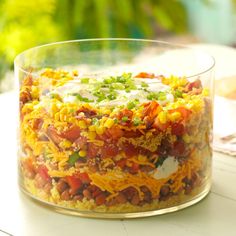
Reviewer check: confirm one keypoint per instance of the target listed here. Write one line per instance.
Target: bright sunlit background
(25, 24)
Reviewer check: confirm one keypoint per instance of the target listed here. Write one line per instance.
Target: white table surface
(214, 215)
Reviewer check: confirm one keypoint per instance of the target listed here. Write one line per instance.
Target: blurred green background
(25, 24)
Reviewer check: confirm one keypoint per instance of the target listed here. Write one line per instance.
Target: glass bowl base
(112, 215)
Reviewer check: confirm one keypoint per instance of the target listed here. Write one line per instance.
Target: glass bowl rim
(166, 43)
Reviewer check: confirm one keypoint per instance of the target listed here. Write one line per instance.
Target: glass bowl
(115, 128)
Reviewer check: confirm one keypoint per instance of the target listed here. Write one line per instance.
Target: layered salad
(114, 143)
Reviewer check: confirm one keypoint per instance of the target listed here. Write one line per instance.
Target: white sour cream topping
(169, 166)
(85, 90)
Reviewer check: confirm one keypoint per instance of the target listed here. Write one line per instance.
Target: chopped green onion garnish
(101, 96)
(132, 86)
(136, 121)
(118, 86)
(161, 96)
(124, 77)
(100, 99)
(111, 96)
(132, 104)
(178, 94)
(144, 85)
(73, 158)
(95, 121)
(83, 99)
(151, 96)
(124, 118)
(108, 80)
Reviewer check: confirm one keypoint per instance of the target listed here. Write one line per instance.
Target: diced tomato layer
(84, 178)
(92, 150)
(109, 150)
(151, 109)
(105, 136)
(195, 84)
(96, 192)
(37, 124)
(53, 135)
(74, 183)
(132, 134)
(87, 112)
(130, 150)
(177, 129)
(185, 113)
(128, 114)
(81, 142)
(114, 132)
(121, 163)
(158, 125)
(134, 168)
(43, 172)
(178, 148)
(71, 134)
(28, 165)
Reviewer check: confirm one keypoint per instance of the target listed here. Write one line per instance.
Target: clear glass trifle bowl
(115, 128)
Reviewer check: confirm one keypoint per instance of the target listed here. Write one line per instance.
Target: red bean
(65, 195)
(78, 197)
(96, 192)
(147, 194)
(61, 186)
(73, 191)
(129, 192)
(187, 181)
(120, 198)
(87, 194)
(100, 199)
(111, 202)
(165, 190)
(135, 199)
